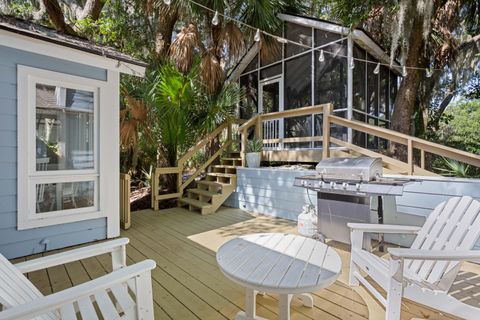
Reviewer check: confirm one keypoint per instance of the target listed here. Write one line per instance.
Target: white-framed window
(60, 168)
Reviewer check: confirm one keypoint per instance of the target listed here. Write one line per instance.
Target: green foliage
(461, 126)
(255, 145)
(455, 169)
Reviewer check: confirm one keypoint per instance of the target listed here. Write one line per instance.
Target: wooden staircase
(220, 182)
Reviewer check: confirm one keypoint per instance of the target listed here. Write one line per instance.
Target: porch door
(271, 100)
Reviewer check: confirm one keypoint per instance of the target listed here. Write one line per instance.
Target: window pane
(299, 34)
(272, 71)
(393, 92)
(358, 136)
(337, 131)
(324, 37)
(248, 106)
(298, 82)
(274, 54)
(298, 127)
(359, 80)
(372, 88)
(64, 128)
(270, 97)
(331, 76)
(64, 196)
(383, 104)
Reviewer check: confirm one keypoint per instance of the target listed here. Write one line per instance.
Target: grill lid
(352, 169)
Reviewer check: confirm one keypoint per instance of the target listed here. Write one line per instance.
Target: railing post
(327, 111)
(422, 158)
(410, 156)
(243, 148)
(155, 182)
(258, 127)
(229, 135)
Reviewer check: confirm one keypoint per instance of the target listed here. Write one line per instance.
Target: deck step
(203, 192)
(224, 166)
(220, 174)
(214, 184)
(232, 159)
(196, 203)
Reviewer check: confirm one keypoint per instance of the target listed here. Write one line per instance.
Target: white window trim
(106, 168)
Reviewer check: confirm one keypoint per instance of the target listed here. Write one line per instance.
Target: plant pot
(253, 159)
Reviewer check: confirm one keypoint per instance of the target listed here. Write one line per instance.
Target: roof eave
(38, 45)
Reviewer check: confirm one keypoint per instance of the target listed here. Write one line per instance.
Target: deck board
(187, 283)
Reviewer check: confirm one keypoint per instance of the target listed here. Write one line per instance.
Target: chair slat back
(453, 225)
(15, 288)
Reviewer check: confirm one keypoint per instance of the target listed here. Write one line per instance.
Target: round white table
(279, 263)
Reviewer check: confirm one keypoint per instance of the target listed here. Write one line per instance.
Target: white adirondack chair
(126, 293)
(425, 272)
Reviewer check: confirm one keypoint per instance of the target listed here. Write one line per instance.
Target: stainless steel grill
(345, 187)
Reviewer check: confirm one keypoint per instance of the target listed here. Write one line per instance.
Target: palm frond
(211, 72)
(182, 50)
(231, 41)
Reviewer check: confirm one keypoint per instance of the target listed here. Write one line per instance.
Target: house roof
(38, 32)
(359, 36)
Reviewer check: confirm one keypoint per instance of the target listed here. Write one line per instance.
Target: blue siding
(270, 191)
(14, 243)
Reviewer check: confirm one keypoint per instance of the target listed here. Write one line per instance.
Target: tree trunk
(92, 9)
(409, 89)
(167, 17)
(56, 16)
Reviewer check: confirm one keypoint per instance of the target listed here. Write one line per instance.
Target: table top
(279, 263)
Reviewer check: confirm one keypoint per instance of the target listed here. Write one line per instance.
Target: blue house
(59, 123)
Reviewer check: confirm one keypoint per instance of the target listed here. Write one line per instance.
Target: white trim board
(29, 44)
(106, 168)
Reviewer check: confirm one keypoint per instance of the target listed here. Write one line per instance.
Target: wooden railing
(224, 131)
(125, 219)
(411, 143)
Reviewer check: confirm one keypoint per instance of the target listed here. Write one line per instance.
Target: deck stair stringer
(219, 183)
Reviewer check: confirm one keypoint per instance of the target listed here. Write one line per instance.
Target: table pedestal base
(284, 301)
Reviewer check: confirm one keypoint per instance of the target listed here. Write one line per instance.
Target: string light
(215, 19)
(257, 36)
(167, 2)
(377, 69)
(321, 57)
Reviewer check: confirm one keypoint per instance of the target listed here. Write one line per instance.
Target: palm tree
(220, 44)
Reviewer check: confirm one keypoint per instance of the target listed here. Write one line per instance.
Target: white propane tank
(307, 221)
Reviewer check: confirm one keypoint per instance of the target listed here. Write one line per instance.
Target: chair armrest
(439, 255)
(72, 255)
(54, 301)
(383, 228)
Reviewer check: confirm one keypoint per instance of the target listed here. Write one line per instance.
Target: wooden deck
(187, 283)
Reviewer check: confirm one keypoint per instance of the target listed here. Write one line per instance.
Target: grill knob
(357, 186)
(332, 185)
(344, 185)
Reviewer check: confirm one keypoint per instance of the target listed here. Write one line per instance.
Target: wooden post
(258, 127)
(422, 158)
(125, 220)
(229, 135)
(155, 185)
(410, 156)
(243, 150)
(327, 111)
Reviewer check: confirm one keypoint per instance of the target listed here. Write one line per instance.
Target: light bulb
(282, 40)
(377, 69)
(351, 65)
(167, 2)
(321, 57)
(215, 19)
(404, 71)
(257, 36)
(428, 72)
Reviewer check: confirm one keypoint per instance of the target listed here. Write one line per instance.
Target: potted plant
(254, 153)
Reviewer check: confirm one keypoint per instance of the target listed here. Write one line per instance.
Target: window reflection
(64, 128)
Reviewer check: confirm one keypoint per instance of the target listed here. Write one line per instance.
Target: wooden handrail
(410, 141)
(202, 143)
